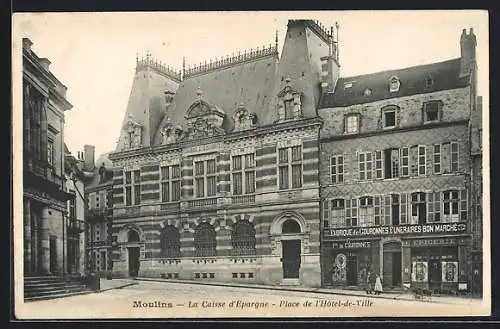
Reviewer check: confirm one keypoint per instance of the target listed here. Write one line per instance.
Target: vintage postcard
(251, 164)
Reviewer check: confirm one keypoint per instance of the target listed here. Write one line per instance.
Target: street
(178, 300)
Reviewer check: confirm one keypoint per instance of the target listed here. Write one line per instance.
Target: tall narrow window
(366, 211)
(283, 168)
(379, 170)
(338, 217)
(454, 157)
(387, 210)
(463, 205)
(450, 206)
(326, 213)
(290, 167)
(351, 212)
(50, 152)
(404, 208)
(405, 162)
(365, 166)
(391, 157)
(437, 159)
(337, 169)
(128, 188)
(199, 178)
(418, 208)
(72, 206)
(165, 183)
(243, 174)
(176, 182)
(137, 186)
(211, 177)
(395, 209)
(431, 111)
(377, 210)
(421, 160)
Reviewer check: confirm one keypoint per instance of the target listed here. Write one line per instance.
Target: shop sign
(351, 244)
(433, 242)
(434, 228)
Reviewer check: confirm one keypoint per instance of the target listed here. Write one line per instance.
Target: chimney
(330, 65)
(89, 154)
(45, 63)
(27, 43)
(467, 52)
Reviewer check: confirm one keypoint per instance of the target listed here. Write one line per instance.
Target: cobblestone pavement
(173, 300)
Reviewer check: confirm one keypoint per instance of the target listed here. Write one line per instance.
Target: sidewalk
(116, 284)
(333, 291)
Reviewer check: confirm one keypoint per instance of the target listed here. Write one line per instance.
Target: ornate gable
(289, 103)
(204, 119)
(170, 133)
(243, 119)
(133, 134)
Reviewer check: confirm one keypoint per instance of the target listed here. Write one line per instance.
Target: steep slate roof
(413, 81)
(250, 82)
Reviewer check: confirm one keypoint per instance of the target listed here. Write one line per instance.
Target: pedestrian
(378, 285)
(367, 282)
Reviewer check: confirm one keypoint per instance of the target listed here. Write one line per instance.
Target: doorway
(435, 274)
(133, 261)
(392, 276)
(53, 254)
(291, 258)
(352, 270)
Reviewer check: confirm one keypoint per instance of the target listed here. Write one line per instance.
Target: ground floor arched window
(243, 238)
(204, 240)
(170, 242)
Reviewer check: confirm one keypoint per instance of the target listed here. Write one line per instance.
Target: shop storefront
(430, 256)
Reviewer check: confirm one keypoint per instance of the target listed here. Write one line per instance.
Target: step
(54, 291)
(61, 295)
(53, 287)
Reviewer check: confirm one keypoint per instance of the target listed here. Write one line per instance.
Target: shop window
(391, 159)
(418, 208)
(450, 206)
(243, 238)
(351, 124)
(351, 212)
(366, 211)
(365, 165)
(337, 169)
(170, 242)
(204, 240)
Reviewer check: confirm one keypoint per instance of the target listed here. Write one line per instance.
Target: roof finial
(337, 41)
(276, 41)
(199, 92)
(183, 66)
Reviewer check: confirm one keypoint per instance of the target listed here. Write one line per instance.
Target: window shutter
(446, 158)
(346, 173)
(387, 209)
(404, 208)
(414, 161)
(463, 205)
(430, 207)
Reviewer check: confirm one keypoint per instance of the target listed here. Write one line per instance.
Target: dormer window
(394, 84)
(429, 81)
(431, 111)
(352, 124)
(367, 92)
(347, 85)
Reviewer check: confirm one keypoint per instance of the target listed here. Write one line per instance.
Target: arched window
(243, 238)
(133, 236)
(170, 242)
(204, 240)
(290, 226)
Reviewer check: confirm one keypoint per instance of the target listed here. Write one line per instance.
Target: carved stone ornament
(133, 134)
(243, 120)
(289, 105)
(203, 119)
(170, 133)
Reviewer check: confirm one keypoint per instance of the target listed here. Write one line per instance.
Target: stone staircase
(49, 287)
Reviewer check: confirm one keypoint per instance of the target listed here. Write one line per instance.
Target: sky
(94, 54)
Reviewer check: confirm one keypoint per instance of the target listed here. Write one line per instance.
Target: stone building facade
(395, 177)
(216, 170)
(44, 191)
(274, 169)
(99, 197)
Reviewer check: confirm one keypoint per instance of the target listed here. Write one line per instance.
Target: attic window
(347, 85)
(394, 84)
(429, 81)
(431, 111)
